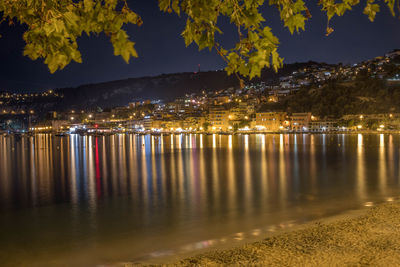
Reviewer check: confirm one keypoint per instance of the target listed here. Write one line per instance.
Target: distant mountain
(164, 87)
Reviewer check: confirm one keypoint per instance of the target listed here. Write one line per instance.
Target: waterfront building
(300, 122)
(134, 124)
(270, 121)
(323, 126)
(238, 112)
(150, 123)
(218, 118)
(193, 122)
(173, 125)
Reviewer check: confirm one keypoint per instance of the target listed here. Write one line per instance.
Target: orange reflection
(282, 172)
(382, 165)
(361, 191)
(247, 173)
(264, 172)
(231, 179)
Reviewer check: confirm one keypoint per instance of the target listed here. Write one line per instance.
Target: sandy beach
(369, 237)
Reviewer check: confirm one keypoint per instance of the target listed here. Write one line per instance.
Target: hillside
(164, 87)
(337, 98)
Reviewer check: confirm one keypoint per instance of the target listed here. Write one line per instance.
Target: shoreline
(366, 236)
(204, 133)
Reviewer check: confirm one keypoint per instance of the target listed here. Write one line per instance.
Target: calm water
(87, 201)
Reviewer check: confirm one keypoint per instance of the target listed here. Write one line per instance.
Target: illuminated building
(300, 122)
(219, 118)
(270, 121)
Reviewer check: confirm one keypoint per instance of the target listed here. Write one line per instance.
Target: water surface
(85, 201)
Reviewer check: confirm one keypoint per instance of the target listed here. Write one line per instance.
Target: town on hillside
(317, 98)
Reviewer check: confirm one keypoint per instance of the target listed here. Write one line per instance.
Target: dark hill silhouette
(165, 87)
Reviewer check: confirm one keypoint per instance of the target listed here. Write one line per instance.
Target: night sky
(162, 50)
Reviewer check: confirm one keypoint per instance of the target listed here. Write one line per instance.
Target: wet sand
(369, 237)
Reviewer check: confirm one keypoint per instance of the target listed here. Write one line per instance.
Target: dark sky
(162, 50)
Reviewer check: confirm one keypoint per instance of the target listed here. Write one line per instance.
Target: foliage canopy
(53, 27)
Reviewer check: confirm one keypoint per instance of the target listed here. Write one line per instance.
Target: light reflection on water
(91, 200)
